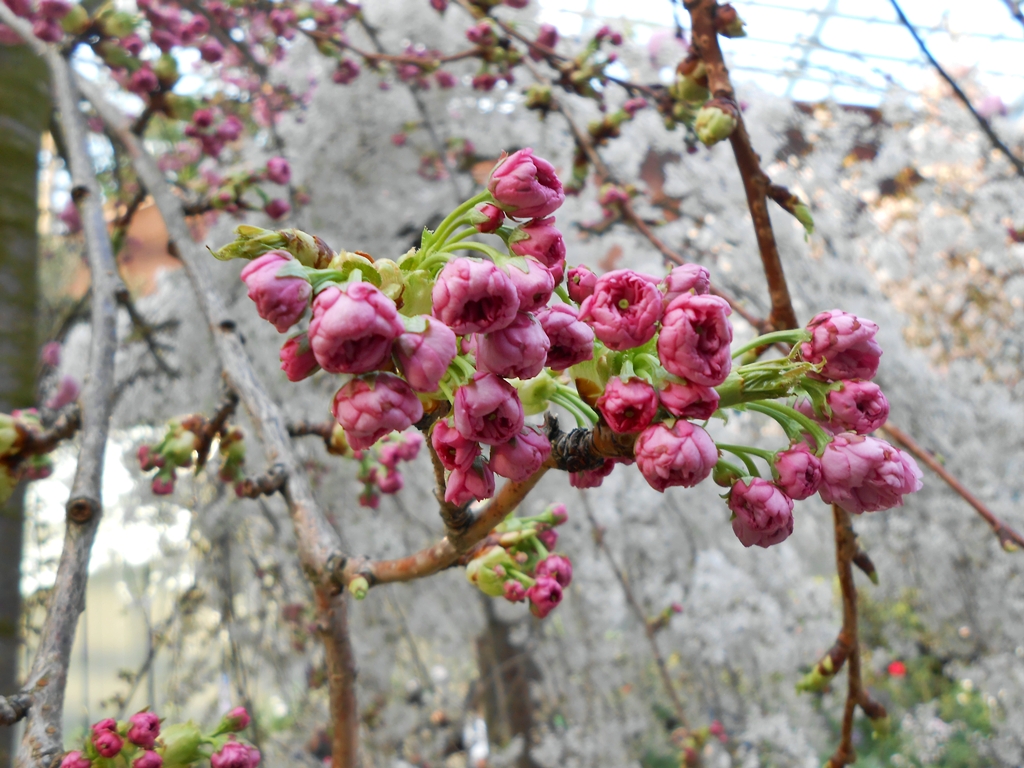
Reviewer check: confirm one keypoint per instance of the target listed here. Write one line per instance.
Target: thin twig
(982, 122)
(1009, 539)
(42, 742)
(146, 330)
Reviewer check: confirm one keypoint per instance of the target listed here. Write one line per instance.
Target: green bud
(76, 21)
(116, 23)
(480, 571)
(166, 70)
(8, 434)
(392, 281)
(359, 586)
(338, 444)
(178, 450)
(715, 121)
(180, 744)
(416, 298)
(538, 96)
(114, 55)
(252, 242)
(536, 392)
(688, 90)
(803, 215)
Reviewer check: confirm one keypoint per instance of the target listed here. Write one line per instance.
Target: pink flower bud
(70, 218)
(107, 724)
(297, 359)
(763, 513)
(132, 43)
(487, 410)
(424, 357)
(230, 129)
(845, 342)
(346, 71)
(544, 596)
(211, 51)
(277, 208)
(590, 478)
(163, 483)
(202, 118)
(628, 406)
(235, 755)
(107, 743)
(50, 354)
(557, 567)
(581, 283)
(278, 170)
(445, 79)
(281, 301)
(858, 406)
(624, 309)
(353, 329)
(391, 482)
(546, 36)
(369, 497)
(534, 287)
(482, 34)
(47, 30)
(695, 338)
(237, 719)
(686, 400)
(514, 592)
(54, 9)
(686, 278)
(439, 5)
(149, 459)
(549, 538)
(454, 450)
(634, 105)
(143, 728)
(521, 456)
(571, 340)
(143, 81)
(865, 474)
(75, 760)
(281, 19)
(475, 481)
(799, 472)
(484, 81)
(473, 296)
(517, 351)
(67, 392)
(544, 243)
(559, 514)
(373, 405)
(683, 455)
(495, 218)
(525, 186)
(148, 759)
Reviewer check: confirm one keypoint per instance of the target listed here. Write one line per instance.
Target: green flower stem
(574, 396)
(781, 412)
(462, 235)
(764, 453)
(488, 250)
(539, 546)
(741, 453)
(438, 257)
(451, 220)
(465, 366)
(729, 466)
(792, 336)
(563, 294)
(560, 399)
(522, 578)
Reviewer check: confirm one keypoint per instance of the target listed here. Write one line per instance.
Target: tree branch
(14, 708)
(982, 122)
(1009, 539)
(755, 181)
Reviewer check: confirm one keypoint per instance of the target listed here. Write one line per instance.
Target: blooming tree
(474, 346)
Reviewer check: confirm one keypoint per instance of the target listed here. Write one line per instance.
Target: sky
(976, 36)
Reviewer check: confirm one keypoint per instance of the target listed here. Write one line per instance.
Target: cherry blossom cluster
(183, 438)
(143, 742)
(16, 464)
(378, 466)
(520, 565)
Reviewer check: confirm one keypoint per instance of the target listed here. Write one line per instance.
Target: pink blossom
(230, 129)
(557, 567)
(345, 72)
(521, 456)
(624, 309)
(143, 81)
(163, 484)
(544, 243)
(47, 30)
(686, 278)
(799, 472)
(234, 754)
(517, 351)
(237, 719)
(297, 359)
(628, 406)
(211, 51)
(544, 595)
(581, 283)
(50, 354)
(517, 3)
(590, 478)
(75, 760)
(846, 343)
(424, 357)
(559, 514)
(278, 170)
(281, 301)
(405, 448)
(445, 79)
(371, 406)
(695, 338)
(572, 341)
(277, 208)
(353, 329)
(369, 497)
(513, 591)
(488, 410)
(549, 538)
(683, 455)
(148, 759)
(391, 482)
(67, 392)
(482, 34)
(484, 81)
(106, 724)
(687, 400)
(54, 9)
(534, 286)
(763, 513)
(148, 458)
(858, 406)
(495, 218)
(70, 217)
(546, 36)
(107, 743)
(143, 728)
(475, 481)
(132, 43)
(454, 450)
(525, 186)
(439, 5)
(472, 296)
(865, 474)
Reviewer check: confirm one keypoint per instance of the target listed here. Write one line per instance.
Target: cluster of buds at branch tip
(378, 465)
(177, 450)
(716, 120)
